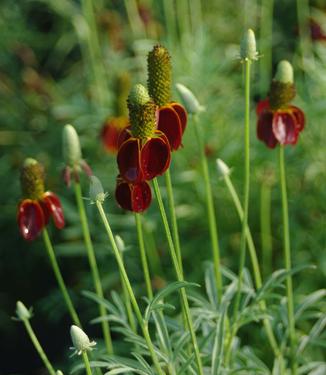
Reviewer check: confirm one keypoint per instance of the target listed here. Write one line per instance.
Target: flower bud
(248, 49)
(120, 243)
(71, 146)
(80, 340)
(222, 168)
(96, 192)
(22, 311)
(32, 179)
(138, 95)
(59, 372)
(284, 72)
(188, 99)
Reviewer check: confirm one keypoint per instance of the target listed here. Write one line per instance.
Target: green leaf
(217, 354)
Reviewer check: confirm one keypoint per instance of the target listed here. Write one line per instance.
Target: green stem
(143, 256)
(87, 364)
(38, 347)
(93, 265)
(57, 273)
(184, 300)
(132, 297)
(210, 211)
(135, 21)
(170, 24)
(173, 216)
(265, 225)
(287, 260)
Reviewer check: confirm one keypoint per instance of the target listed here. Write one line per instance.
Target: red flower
(172, 121)
(316, 31)
(34, 214)
(110, 133)
(279, 126)
(143, 158)
(133, 197)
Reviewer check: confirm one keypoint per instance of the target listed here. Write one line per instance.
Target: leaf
(217, 355)
(308, 301)
(316, 330)
(210, 283)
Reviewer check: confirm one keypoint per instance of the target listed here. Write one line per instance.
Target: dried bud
(71, 146)
(222, 168)
(80, 340)
(159, 75)
(248, 49)
(189, 100)
(32, 179)
(22, 312)
(96, 192)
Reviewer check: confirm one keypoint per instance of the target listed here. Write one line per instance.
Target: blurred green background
(51, 74)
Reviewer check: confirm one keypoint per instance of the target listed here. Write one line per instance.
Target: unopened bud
(120, 243)
(138, 95)
(80, 340)
(71, 146)
(222, 168)
(284, 72)
(96, 191)
(188, 99)
(248, 49)
(22, 312)
(59, 372)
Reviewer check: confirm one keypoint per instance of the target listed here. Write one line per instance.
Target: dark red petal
(123, 195)
(299, 116)
(170, 124)
(284, 128)
(124, 136)
(128, 159)
(30, 219)
(182, 113)
(54, 207)
(265, 129)
(155, 157)
(262, 106)
(109, 137)
(133, 197)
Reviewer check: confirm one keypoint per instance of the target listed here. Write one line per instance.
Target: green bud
(138, 95)
(120, 243)
(248, 49)
(71, 146)
(222, 168)
(59, 372)
(189, 100)
(80, 340)
(284, 72)
(22, 312)
(96, 192)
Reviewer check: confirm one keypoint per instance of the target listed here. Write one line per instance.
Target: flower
(80, 341)
(72, 155)
(317, 32)
(110, 133)
(171, 116)
(248, 49)
(279, 121)
(35, 209)
(134, 197)
(144, 152)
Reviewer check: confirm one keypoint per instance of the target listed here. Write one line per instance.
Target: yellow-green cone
(32, 179)
(159, 75)
(141, 112)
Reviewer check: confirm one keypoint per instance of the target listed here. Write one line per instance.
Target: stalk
(210, 211)
(38, 347)
(287, 260)
(265, 225)
(135, 21)
(184, 300)
(86, 362)
(93, 265)
(169, 17)
(57, 273)
(143, 326)
(143, 256)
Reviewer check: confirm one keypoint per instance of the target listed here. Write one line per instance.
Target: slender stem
(170, 24)
(143, 256)
(179, 275)
(38, 347)
(287, 259)
(132, 297)
(210, 211)
(173, 216)
(135, 21)
(87, 364)
(93, 265)
(265, 225)
(57, 273)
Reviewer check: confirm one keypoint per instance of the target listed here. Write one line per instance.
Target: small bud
(248, 49)
(59, 372)
(80, 340)
(284, 72)
(189, 100)
(71, 146)
(32, 179)
(22, 311)
(222, 168)
(138, 95)
(120, 243)
(96, 192)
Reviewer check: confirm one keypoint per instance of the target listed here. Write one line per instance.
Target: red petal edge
(30, 219)
(128, 160)
(284, 128)
(265, 129)
(133, 197)
(299, 116)
(182, 113)
(53, 205)
(169, 123)
(262, 106)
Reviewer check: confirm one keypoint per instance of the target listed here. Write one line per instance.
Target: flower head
(279, 121)
(248, 49)
(80, 340)
(22, 312)
(72, 155)
(35, 209)
(96, 191)
(171, 116)
(111, 131)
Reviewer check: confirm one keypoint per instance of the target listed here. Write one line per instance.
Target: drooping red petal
(30, 219)
(133, 197)
(284, 128)
(128, 159)
(170, 124)
(262, 106)
(123, 136)
(265, 129)
(299, 116)
(54, 207)
(111, 131)
(155, 157)
(182, 113)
